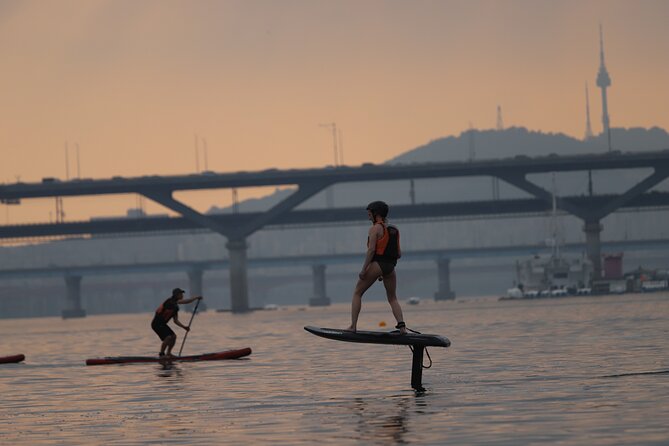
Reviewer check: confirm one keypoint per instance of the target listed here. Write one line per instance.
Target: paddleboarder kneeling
(383, 250)
(166, 311)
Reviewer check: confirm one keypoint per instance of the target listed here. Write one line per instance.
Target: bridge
(195, 269)
(236, 228)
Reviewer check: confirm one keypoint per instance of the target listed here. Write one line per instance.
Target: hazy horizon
(132, 83)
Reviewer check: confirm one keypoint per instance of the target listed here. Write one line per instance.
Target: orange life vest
(387, 247)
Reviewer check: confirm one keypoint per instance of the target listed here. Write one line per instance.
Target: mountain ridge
(482, 144)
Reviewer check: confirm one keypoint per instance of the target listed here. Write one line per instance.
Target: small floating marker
(382, 324)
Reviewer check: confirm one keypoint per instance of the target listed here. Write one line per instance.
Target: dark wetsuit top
(387, 249)
(164, 313)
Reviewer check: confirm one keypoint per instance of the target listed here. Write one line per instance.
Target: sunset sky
(132, 82)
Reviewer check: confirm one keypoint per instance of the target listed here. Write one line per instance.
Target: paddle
(190, 322)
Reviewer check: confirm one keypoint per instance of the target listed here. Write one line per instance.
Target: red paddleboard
(228, 354)
(11, 359)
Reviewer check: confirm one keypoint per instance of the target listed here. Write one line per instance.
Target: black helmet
(378, 208)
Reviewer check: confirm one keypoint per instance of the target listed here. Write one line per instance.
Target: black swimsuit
(386, 267)
(388, 258)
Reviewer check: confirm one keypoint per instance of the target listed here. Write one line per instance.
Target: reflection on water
(381, 421)
(591, 370)
(169, 370)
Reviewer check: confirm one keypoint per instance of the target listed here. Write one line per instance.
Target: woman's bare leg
(390, 283)
(373, 271)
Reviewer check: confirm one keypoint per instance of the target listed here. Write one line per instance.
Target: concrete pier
(319, 298)
(444, 274)
(195, 286)
(593, 247)
(239, 291)
(73, 285)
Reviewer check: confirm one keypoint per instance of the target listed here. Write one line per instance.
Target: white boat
(553, 275)
(559, 292)
(413, 300)
(514, 293)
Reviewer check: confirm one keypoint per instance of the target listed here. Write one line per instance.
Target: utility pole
(197, 155)
(333, 127)
(204, 149)
(67, 162)
(472, 144)
(329, 192)
(588, 127)
(495, 180)
(235, 201)
(60, 212)
(341, 148)
(140, 205)
(78, 165)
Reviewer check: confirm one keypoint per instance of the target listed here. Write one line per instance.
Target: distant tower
(495, 180)
(472, 143)
(603, 82)
(588, 127)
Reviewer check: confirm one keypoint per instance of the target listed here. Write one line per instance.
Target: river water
(586, 370)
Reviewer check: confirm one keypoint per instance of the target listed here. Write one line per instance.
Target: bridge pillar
(320, 298)
(239, 291)
(444, 273)
(593, 247)
(73, 284)
(195, 285)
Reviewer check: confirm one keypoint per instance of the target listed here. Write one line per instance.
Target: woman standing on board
(166, 311)
(383, 250)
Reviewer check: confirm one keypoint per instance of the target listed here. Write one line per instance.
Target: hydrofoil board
(381, 337)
